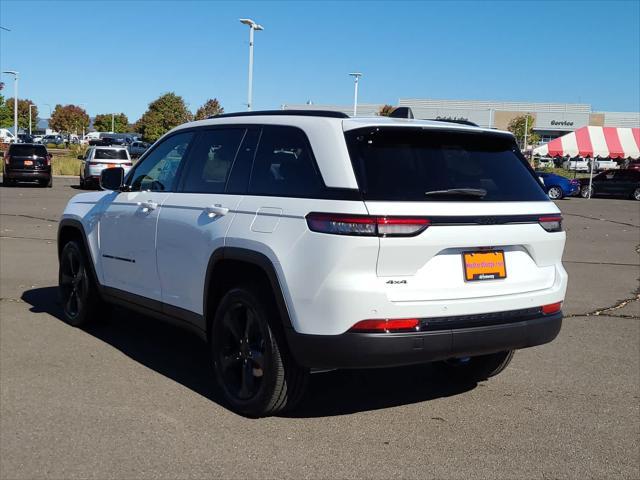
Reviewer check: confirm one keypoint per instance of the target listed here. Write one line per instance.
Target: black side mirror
(112, 178)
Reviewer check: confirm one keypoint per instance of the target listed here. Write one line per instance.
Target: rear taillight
(48, 159)
(552, 223)
(366, 225)
(386, 325)
(551, 308)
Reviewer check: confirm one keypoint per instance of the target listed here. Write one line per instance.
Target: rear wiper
(458, 192)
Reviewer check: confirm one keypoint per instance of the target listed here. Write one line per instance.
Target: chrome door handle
(216, 210)
(148, 206)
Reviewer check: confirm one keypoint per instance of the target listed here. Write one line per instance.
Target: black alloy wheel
(251, 362)
(242, 351)
(77, 293)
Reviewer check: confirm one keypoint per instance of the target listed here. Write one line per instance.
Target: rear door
(462, 210)
(194, 221)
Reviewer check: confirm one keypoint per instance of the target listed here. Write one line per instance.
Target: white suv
(294, 241)
(97, 159)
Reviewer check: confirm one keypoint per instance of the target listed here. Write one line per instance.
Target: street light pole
(252, 27)
(31, 105)
(113, 130)
(356, 76)
(15, 102)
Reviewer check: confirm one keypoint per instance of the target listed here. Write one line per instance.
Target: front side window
(415, 164)
(157, 172)
(210, 160)
(284, 164)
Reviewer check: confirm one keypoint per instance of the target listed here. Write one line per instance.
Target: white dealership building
(551, 120)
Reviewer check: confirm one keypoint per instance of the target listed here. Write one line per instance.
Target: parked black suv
(27, 162)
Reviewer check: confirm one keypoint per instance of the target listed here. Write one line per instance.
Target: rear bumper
(369, 350)
(27, 174)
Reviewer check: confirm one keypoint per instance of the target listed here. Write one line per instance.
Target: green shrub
(64, 165)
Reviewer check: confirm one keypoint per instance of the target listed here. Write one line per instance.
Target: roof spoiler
(402, 112)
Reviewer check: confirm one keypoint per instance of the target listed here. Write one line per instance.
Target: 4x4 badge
(396, 282)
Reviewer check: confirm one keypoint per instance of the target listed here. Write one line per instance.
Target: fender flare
(77, 225)
(255, 258)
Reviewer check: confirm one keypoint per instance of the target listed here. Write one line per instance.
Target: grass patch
(565, 173)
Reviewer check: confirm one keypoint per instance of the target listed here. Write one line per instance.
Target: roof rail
(460, 121)
(299, 113)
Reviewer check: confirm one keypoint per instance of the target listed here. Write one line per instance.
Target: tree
(23, 114)
(6, 116)
(517, 127)
(386, 110)
(211, 107)
(69, 119)
(102, 123)
(164, 113)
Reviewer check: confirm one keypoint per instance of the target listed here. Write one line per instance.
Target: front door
(128, 224)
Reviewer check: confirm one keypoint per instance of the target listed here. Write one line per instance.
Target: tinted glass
(284, 164)
(28, 150)
(110, 154)
(210, 160)
(241, 170)
(405, 164)
(157, 172)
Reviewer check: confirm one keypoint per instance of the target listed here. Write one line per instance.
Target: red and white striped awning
(594, 142)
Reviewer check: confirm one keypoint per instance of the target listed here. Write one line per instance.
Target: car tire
(81, 303)
(636, 194)
(83, 184)
(8, 182)
(555, 193)
(253, 366)
(476, 369)
(50, 182)
(584, 192)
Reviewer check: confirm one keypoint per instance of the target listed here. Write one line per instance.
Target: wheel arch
(71, 229)
(228, 266)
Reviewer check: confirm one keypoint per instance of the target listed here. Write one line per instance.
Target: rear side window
(28, 150)
(110, 155)
(210, 160)
(415, 164)
(284, 164)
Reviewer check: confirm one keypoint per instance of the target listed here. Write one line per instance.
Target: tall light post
(31, 105)
(113, 130)
(15, 102)
(252, 27)
(356, 76)
(84, 104)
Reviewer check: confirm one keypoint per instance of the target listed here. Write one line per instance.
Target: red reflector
(551, 308)
(386, 325)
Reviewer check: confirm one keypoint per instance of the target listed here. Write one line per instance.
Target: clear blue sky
(119, 56)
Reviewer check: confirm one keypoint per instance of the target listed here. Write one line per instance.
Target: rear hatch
(459, 211)
(27, 157)
(111, 157)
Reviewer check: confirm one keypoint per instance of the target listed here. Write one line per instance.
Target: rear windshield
(28, 150)
(111, 154)
(415, 164)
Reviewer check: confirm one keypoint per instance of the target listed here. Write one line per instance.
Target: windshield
(416, 164)
(111, 154)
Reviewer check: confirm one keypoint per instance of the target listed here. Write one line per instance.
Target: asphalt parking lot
(131, 398)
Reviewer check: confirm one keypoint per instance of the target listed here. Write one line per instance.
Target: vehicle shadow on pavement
(183, 357)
